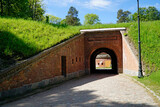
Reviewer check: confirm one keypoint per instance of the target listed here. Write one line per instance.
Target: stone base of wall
(130, 72)
(120, 70)
(30, 87)
(87, 71)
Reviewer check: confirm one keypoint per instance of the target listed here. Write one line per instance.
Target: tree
(72, 17)
(22, 9)
(123, 16)
(36, 9)
(19, 8)
(47, 19)
(14, 8)
(63, 22)
(1, 5)
(91, 19)
(152, 13)
(54, 19)
(147, 14)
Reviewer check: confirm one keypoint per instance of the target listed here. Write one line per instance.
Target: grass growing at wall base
(103, 67)
(152, 82)
(150, 46)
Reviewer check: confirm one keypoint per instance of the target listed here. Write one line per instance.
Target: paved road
(99, 90)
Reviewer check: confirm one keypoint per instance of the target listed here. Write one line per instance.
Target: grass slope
(150, 42)
(150, 39)
(20, 39)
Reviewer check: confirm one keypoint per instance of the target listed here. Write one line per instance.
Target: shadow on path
(69, 95)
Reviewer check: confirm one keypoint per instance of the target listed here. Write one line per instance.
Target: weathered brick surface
(50, 65)
(45, 68)
(111, 40)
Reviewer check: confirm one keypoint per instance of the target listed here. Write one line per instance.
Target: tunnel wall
(109, 39)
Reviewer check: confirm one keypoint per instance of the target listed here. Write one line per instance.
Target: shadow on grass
(67, 95)
(13, 49)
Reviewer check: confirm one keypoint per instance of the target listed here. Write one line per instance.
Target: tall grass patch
(150, 43)
(25, 38)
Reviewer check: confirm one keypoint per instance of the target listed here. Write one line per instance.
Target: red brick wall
(110, 39)
(49, 66)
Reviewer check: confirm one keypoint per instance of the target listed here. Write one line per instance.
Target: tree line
(72, 18)
(146, 14)
(27, 9)
(34, 9)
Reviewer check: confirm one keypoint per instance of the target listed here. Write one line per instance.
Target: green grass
(24, 38)
(150, 40)
(103, 67)
(152, 82)
(20, 39)
(150, 43)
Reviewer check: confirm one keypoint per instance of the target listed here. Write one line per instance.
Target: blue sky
(105, 9)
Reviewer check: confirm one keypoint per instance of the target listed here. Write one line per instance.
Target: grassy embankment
(20, 39)
(150, 37)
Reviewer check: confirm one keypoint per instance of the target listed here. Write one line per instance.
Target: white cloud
(60, 2)
(110, 5)
(157, 5)
(98, 4)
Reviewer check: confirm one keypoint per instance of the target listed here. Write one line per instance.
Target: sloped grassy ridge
(20, 39)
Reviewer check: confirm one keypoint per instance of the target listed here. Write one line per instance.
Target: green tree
(142, 14)
(22, 9)
(123, 16)
(54, 19)
(63, 22)
(72, 17)
(1, 7)
(147, 14)
(152, 13)
(36, 9)
(14, 8)
(19, 8)
(91, 19)
(47, 19)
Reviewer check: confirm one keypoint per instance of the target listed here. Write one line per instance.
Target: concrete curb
(142, 85)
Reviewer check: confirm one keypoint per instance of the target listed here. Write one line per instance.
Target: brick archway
(114, 69)
(109, 39)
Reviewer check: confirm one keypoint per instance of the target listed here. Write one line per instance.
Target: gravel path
(98, 90)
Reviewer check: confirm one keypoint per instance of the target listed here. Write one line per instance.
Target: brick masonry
(46, 68)
(110, 40)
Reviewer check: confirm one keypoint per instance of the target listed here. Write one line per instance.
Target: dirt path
(99, 90)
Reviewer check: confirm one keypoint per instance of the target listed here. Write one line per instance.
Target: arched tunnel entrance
(103, 60)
